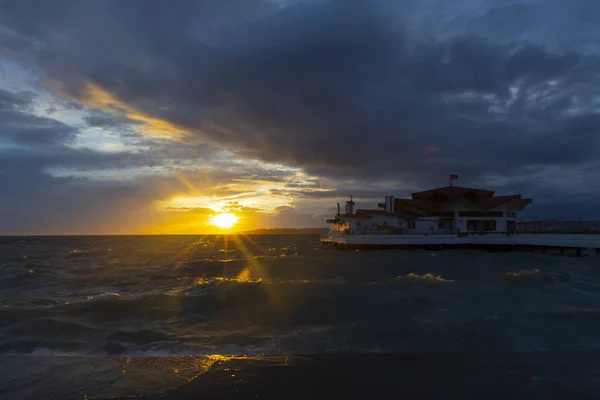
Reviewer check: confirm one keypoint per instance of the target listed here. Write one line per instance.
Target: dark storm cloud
(340, 88)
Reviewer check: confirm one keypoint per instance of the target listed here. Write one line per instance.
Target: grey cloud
(57, 105)
(303, 185)
(29, 129)
(560, 25)
(340, 194)
(15, 101)
(193, 210)
(64, 206)
(17, 125)
(234, 206)
(101, 119)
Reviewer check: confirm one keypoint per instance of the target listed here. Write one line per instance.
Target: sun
(224, 221)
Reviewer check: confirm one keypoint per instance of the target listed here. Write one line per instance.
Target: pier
(575, 244)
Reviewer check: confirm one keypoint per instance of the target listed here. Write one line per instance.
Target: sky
(146, 116)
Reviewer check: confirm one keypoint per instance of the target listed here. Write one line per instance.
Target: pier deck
(578, 243)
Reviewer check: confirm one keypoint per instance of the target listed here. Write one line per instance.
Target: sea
(126, 316)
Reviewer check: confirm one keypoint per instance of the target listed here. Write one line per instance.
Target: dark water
(277, 295)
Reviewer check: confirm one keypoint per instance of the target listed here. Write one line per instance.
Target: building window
(412, 225)
(481, 226)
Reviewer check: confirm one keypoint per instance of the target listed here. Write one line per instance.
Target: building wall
(358, 225)
(425, 225)
(369, 225)
(462, 222)
(389, 220)
(422, 225)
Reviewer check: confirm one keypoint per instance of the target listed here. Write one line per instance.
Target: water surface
(134, 296)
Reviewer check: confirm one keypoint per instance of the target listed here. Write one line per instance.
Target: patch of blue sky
(102, 140)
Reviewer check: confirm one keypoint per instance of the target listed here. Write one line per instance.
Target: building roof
(452, 192)
(525, 203)
(423, 202)
(492, 202)
(416, 205)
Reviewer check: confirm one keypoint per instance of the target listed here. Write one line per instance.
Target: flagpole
(452, 177)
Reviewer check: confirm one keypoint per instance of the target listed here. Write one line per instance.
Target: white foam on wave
(423, 278)
(522, 273)
(103, 296)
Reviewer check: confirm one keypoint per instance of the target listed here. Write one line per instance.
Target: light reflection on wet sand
(98, 377)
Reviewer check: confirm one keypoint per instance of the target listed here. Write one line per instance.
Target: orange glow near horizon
(224, 221)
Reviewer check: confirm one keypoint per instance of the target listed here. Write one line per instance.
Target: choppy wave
(103, 296)
(573, 313)
(525, 273)
(285, 294)
(423, 278)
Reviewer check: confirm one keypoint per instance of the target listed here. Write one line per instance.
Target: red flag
(453, 177)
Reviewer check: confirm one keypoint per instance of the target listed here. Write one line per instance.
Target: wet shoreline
(545, 375)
